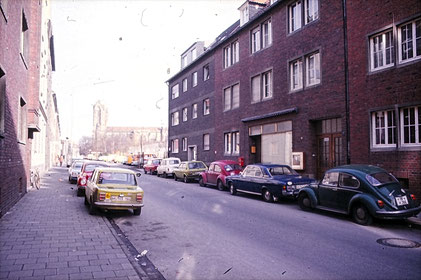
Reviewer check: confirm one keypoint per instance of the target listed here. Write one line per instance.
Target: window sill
(23, 60)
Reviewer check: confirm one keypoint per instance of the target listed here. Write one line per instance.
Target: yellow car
(113, 188)
(189, 170)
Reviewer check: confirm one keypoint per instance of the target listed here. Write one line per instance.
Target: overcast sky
(120, 51)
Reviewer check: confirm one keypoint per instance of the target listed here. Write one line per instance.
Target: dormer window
(244, 14)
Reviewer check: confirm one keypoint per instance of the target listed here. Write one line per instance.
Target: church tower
(100, 119)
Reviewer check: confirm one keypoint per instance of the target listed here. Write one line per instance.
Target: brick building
(20, 80)
(294, 80)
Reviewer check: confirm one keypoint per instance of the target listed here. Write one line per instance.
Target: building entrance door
(192, 153)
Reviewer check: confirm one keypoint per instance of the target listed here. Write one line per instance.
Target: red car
(217, 172)
(86, 172)
(151, 165)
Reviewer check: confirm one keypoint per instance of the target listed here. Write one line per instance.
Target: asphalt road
(192, 232)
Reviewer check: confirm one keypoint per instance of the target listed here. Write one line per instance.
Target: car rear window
(381, 178)
(117, 178)
(173, 162)
(91, 167)
(231, 167)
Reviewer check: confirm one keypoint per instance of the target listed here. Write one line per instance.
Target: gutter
(346, 72)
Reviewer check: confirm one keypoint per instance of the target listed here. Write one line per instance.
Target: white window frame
(227, 143)
(185, 84)
(185, 112)
(184, 144)
(389, 123)
(232, 143)
(175, 118)
(236, 143)
(255, 96)
(193, 54)
(206, 73)
(235, 52)
(227, 99)
(311, 10)
(416, 124)
(234, 104)
(174, 146)
(175, 91)
(313, 73)
(267, 34)
(296, 74)
(184, 61)
(379, 49)
(206, 106)
(22, 121)
(231, 54)
(194, 79)
(227, 56)
(206, 142)
(256, 40)
(267, 85)
(295, 16)
(412, 43)
(194, 111)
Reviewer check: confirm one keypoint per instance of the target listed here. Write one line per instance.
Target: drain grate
(398, 243)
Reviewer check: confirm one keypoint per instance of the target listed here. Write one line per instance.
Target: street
(191, 232)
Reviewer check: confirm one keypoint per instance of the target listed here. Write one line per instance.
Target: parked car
(115, 189)
(151, 165)
(363, 191)
(217, 172)
(271, 181)
(86, 172)
(74, 170)
(166, 168)
(135, 163)
(189, 170)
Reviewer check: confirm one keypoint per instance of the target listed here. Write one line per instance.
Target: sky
(122, 53)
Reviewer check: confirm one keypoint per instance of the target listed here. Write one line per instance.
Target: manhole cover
(398, 242)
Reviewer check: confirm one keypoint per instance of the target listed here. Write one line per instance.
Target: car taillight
(413, 197)
(380, 203)
(101, 196)
(139, 197)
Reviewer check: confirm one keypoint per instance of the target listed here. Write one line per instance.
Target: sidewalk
(49, 234)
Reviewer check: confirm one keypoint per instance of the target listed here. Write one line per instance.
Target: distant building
(125, 140)
(303, 80)
(29, 122)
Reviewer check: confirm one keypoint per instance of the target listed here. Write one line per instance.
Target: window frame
(184, 144)
(206, 106)
(231, 54)
(373, 52)
(386, 129)
(175, 118)
(175, 91)
(206, 73)
(306, 11)
(184, 114)
(174, 146)
(194, 111)
(300, 85)
(292, 15)
(255, 41)
(22, 121)
(416, 55)
(416, 125)
(206, 146)
(184, 85)
(317, 69)
(262, 87)
(194, 79)
(230, 91)
(232, 143)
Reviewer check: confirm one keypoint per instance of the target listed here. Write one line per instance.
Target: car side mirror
(138, 174)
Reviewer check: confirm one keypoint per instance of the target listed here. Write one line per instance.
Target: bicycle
(35, 179)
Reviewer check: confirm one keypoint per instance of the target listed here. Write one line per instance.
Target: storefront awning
(271, 115)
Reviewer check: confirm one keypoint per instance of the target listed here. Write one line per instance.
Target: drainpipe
(347, 122)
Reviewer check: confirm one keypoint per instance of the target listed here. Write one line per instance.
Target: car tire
(92, 208)
(185, 179)
(164, 175)
(80, 192)
(136, 212)
(201, 183)
(144, 170)
(361, 215)
(304, 201)
(220, 186)
(267, 196)
(86, 201)
(233, 190)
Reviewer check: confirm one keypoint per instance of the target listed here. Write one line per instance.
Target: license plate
(401, 200)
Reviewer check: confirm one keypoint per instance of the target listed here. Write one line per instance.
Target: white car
(74, 170)
(166, 168)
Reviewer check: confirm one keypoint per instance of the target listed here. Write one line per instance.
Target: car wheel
(80, 192)
(144, 170)
(164, 175)
(185, 179)
(201, 183)
(304, 201)
(86, 201)
(92, 208)
(137, 212)
(361, 215)
(220, 185)
(233, 190)
(267, 196)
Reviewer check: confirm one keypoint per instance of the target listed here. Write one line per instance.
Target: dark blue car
(271, 181)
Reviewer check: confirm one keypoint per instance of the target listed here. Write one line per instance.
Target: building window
(184, 61)
(206, 142)
(174, 146)
(22, 121)
(266, 34)
(174, 92)
(193, 54)
(2, 100)
(184, 84)
(184, 114)
(184, 144)
(194, 111)
(174, 119)
(194, 79)
(294, 14)
(244, 15)
(24, 47)
(383, 128)
(311, 10)
(205, 72)
(261, 86)
(410, 41)
(381, 50)
(232, 97)
(206, 106)
(313, 69)
(231, 54)
(232, 143)
(255, 40)
(296, 74)
(410, 126)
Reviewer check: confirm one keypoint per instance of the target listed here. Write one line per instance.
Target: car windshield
(91, 167)
(117, 178)
(149, 162)
(231, 167)
(156, 161)
(78, 166)
(381, 178)
(281, 170)
(196, 165)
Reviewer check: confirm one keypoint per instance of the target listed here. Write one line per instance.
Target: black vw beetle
(363, 191)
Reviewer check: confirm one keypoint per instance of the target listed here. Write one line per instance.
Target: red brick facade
(19, 88)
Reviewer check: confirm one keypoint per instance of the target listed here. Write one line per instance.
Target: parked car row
(361, 191)
(106, 187)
